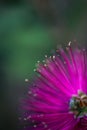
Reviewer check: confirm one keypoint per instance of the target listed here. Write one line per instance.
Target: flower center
(78, 104)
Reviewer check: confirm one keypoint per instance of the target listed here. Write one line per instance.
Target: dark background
(29, 29)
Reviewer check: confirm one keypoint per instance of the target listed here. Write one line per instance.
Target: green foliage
(21, 46)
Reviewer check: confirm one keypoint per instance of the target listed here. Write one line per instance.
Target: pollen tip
(34, 70)
(53, 57)
(26, 80)
(69, 44)
(45, 65)
(45, 56)
(43, 61)
(38, 61)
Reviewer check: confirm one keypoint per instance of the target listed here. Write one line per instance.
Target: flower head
(57, 100)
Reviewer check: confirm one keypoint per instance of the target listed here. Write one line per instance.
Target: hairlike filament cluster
(57, 98)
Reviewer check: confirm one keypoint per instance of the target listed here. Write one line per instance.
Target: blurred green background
(29, 29)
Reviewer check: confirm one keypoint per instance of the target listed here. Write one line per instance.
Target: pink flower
(57, 100)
